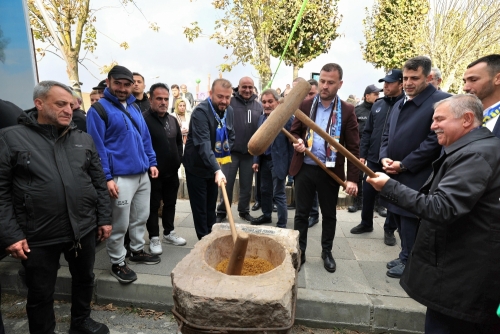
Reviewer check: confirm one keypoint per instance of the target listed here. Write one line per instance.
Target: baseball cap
(121, 72)
(101, 85)
(393, 76)
(372, 89)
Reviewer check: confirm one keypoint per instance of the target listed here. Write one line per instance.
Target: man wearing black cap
(369, 153)
(100, 88)
(124, 144)
(409, 147)
(362, 111)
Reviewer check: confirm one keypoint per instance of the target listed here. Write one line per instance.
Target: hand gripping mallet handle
(240, 240)
(315, 159)
(341, 149)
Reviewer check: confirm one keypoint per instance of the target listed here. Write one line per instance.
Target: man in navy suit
(409, 147)
(274, 164)
(482, 78)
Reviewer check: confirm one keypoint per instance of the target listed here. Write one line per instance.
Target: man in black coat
(409, 147)
(53, 200)
(9, 113)
(203, 172)
(362, 112)
(453, 267)
(369, 153)
(166, 138)
(482, 78)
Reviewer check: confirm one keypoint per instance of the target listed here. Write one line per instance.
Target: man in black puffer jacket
(53, 198)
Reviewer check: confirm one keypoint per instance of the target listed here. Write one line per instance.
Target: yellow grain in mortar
(251, 266)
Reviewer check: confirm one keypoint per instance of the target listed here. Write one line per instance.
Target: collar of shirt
(485, 111)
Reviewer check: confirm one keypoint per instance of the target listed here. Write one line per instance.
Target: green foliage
(313, 36)
(244, 32)
(394, 31)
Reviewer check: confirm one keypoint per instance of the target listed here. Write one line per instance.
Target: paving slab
(358, 295)
(373, 250)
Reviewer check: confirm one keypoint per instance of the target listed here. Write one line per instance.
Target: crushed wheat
(251, 266)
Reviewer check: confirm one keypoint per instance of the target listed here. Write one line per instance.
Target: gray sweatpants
(130, 211)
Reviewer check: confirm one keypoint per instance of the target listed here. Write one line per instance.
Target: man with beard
(482, 78)
(166, 138)
(53, 201)
(409, 147)
(210, 137)
(124, 145)
(246, 110)
(339, 120)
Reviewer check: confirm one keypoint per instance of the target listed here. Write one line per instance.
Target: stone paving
(358, 295)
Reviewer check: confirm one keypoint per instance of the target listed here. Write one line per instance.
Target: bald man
(247, 110)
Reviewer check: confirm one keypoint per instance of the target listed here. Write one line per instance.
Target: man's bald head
(245, 87)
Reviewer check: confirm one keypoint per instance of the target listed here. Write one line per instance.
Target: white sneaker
(155, 246)
(174, 239)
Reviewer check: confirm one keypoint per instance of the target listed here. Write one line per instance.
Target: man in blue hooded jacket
(124, 144)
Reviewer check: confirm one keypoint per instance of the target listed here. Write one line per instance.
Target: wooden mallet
(240, 240)
(268, 131)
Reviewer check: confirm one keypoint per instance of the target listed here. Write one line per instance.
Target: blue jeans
(41, 274)
(273, 187)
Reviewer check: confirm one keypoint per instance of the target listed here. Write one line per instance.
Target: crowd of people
(70, 179)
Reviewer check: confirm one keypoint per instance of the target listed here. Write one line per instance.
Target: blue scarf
(333, 129)
(221, 149)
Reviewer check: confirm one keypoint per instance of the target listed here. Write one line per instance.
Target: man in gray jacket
(247, 110)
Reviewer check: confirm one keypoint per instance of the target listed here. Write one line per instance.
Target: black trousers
(308, 181)
(438, 323)
(162, 189)
(407, 228)
(203, 200)
(241, 164)
(41, 274)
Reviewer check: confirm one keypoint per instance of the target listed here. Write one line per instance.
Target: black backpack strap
(101, 112)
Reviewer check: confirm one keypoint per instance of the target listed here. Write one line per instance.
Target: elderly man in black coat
(453, 267)
(409, 147)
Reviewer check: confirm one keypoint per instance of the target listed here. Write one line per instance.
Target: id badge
(330, 164)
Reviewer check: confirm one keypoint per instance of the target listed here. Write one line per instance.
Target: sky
(167, 56)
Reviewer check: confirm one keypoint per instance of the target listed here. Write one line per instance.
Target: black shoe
(291, 206)
(397, 271)
(220, 217)
(246, 216)
(256, 206)
(89, 326)
(145, 258)
(382, 211)
(389, 238)
(313, 221)
(302, 259)
(361, 228)
(123, 273)
(352, 208)
(275, 208)
(393, 263)
(328, 261)
(261, 220)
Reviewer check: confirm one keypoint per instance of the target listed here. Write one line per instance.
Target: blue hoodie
(123, 150)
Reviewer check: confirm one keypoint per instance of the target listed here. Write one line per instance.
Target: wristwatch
(402, 168)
